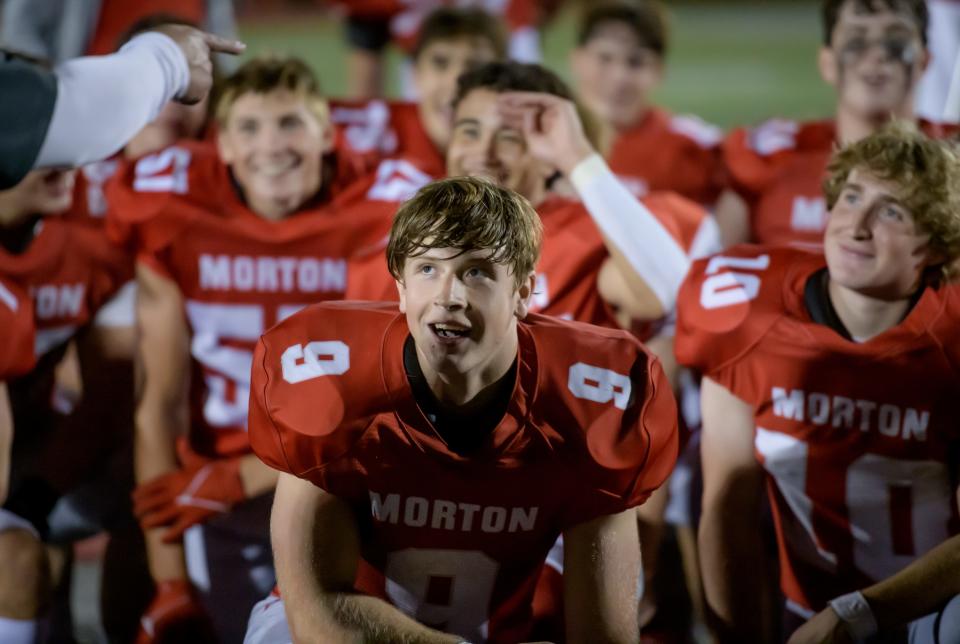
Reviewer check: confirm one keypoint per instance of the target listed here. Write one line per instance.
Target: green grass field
(732, 63)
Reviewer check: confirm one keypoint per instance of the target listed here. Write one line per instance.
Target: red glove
(175, 615)
(188, 496)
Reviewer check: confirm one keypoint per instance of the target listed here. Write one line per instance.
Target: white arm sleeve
(651, 250)
(103, 101)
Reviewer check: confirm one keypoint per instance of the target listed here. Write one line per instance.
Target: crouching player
(833, 381)
(432, 454)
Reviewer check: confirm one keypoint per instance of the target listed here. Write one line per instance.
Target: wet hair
(916, 9)
(645, 18)
(468, 214)
(927, 173)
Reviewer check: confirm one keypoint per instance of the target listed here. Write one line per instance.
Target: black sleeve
(370, 34)
(27, 96)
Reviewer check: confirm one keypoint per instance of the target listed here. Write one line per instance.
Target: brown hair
(468, 214)
(450, 23)
(646, 18)
(265, 74)
(927, 172)
(510, 76)
(916, 9)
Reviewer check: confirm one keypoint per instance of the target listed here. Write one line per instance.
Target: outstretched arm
(316, 549)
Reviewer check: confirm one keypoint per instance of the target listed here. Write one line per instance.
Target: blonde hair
(468, 214)
(927, 172)
(267, 73)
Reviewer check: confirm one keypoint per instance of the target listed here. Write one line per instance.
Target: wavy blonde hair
(927, 172)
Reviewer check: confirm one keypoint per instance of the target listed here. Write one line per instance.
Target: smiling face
(462, 310)
(874, 60)
(435, 74)
(274, 144)
(484, 145)
(615, 75)
(872, 244)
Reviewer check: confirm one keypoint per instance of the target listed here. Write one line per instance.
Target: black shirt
(27, 97)
(462, 429)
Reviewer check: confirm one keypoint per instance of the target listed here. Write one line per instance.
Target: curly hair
(468, 214)
(927, 172)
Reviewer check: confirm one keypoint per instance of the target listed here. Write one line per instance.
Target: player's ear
(524, 296)
(402, 293)
(827, 64)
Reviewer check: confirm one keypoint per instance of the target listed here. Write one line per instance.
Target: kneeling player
(833, 380)
(432, 455)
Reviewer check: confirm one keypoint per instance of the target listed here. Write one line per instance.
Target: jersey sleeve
(752, 157)
(682, 217)
(726, 305)
(313, 393)
(614, 391)
(16, 341)
(150, 199)
(112, 265)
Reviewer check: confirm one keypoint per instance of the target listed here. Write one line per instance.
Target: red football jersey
(779, 168)
(855, 438)
(89, 192)
(669, 152)
(370, 131)
(570, 260)
(239, 274)
(406, 16)
(117, 16)
(16, 340)
(69, 270)
(458, 542)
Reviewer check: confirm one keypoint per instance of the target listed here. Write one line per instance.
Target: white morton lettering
(439, 514)
(272, 274)
(850, 413)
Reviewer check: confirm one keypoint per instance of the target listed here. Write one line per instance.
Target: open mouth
(277, 168)
(449, 332)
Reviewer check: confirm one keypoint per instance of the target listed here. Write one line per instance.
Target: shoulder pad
(616, 402)
(704, 134)
(316, 375)
(729, 301)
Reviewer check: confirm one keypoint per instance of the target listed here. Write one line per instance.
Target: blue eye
(892, 213)
(426, 269)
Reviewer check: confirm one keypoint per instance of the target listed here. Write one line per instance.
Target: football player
(451, 41)
(431, 455)
(873, 55)
(832, 381)
(231, 239)
(617, 64)
(517, 125)
(68, 271)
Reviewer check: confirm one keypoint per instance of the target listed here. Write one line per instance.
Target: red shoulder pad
(682, 217)
(728, 302)
(753, 157)
(614, 393)
(316, 384)
(151, 198)
(16, 342)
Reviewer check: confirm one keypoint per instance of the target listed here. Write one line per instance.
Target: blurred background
(731, 63)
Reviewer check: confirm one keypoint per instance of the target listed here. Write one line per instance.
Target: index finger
(223, 45)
